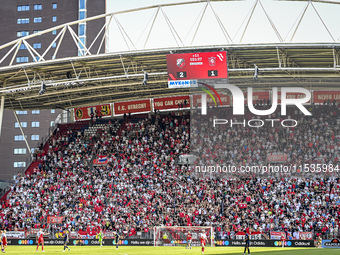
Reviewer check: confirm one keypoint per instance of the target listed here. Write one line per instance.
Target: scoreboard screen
(193, 66)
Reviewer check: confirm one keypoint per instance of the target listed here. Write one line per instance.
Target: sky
(129, 31)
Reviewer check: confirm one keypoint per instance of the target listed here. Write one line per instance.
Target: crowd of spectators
(143, 185)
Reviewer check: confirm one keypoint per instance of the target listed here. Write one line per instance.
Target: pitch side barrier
(266, 243)
(83, 242)
(150, 242)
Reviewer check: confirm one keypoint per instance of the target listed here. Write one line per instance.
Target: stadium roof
(117, 76)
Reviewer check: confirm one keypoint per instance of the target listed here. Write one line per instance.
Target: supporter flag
(101, 160)
(55, 219)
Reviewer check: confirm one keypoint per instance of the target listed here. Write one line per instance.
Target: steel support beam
(2, 112)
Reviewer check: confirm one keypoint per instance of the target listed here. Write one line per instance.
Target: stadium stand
(141, 185)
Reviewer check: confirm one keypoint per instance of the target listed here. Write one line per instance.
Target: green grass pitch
(146, 250)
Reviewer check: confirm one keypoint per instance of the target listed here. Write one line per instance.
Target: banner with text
(85, 113)
(257, 96)
(84, 242)
(319, 97)
(290, 95)
(166, 103)
(252, 236)
(334, 243)
(132, 107)
(277, 235)
(15, 234)
(197, 99)
(266, 243)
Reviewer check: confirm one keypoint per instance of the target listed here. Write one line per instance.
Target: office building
(19, 18)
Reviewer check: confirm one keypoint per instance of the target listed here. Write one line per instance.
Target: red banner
(260, 95)
(197, 99)
(319, 97)
(277, 158)
(132, 106)
(290, 95)
(55, 219)
(85, 113)
(166, 103)
(90, 232)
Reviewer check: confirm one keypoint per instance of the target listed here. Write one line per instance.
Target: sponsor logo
(302, 243)
(279, 243)
(122, 242)
(258, 243)
(85, 242)
(182, 84)
(25, 242)
(334, 243)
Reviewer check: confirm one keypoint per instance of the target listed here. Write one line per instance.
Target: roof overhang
(114, 77)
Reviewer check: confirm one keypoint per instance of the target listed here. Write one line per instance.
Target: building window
(81, 29)
(54, 6)
(54, 18)
(36, 58)
(81, 52)
(54, 32)
(23, 124)
(20, 151)
(52, 110)
(81, 4)
(34, 137)
(52, 123)
(52, 57)
(19, 164)
(36, 112)
(35, 124)
(54, 45)
(37, 45)
(36, 31)
(22, 59)
(37, 20)
(23, 21)
(82, 39)
(21, 112)
(19, 138)
(33, 150)
(22, 33)
(22, 47)
(22, 8)
(37, 7)
(82, 15)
